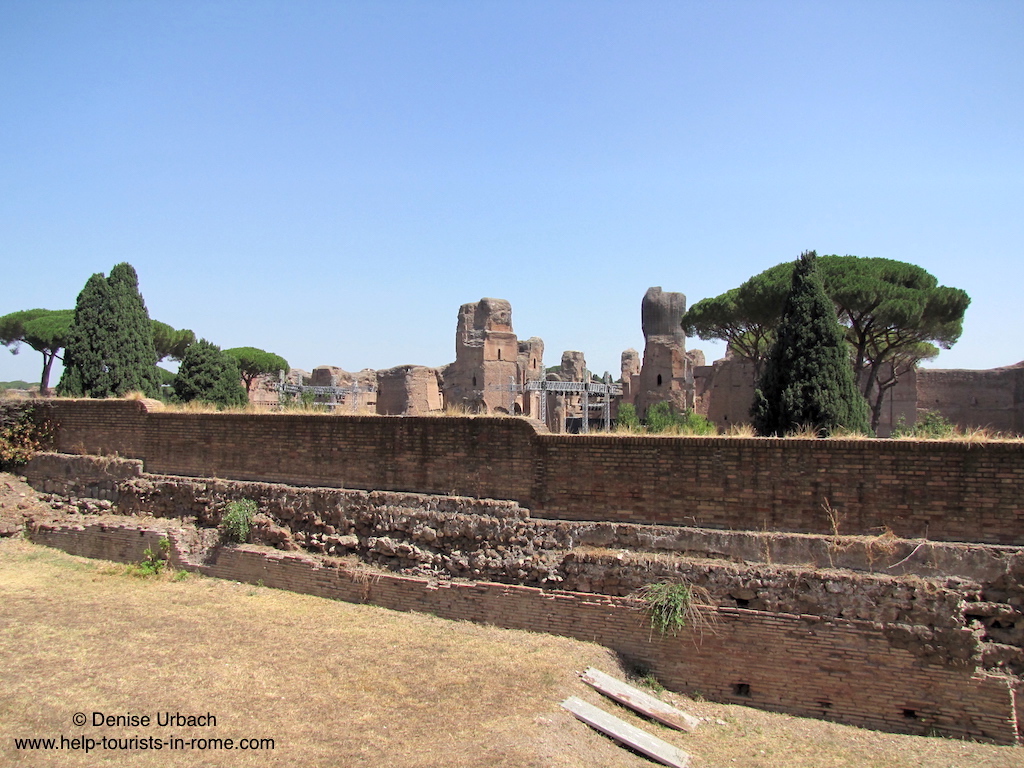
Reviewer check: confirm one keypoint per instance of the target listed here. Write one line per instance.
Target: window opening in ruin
(910, 714)
(474, 381)
(825, 704)
(659, 379)
(741, 689)
(499, 354)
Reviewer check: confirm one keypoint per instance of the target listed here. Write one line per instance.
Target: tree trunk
(44, 381)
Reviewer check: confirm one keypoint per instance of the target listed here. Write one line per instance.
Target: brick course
(850, 671)
(940, 491)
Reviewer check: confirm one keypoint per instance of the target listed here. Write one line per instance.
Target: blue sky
(331, 180)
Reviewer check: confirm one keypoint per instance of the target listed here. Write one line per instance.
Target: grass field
(336, 684)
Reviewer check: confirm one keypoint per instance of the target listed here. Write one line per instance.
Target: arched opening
(659, 379)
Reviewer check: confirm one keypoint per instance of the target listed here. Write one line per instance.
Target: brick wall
(849, 671)
(992, 398)
(941, 491)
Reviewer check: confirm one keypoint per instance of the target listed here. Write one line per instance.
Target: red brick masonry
(804, 665)
(941, 491)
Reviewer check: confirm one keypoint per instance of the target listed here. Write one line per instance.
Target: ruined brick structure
(489, 360)
(993, 398)
(989, 399)
(555, 531)
(413, 390)
(667, 370)
(724, 391)
(492, 368)
(629, 375)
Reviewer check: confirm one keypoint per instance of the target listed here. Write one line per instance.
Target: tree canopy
(170, 342)
(109, 349)
(45, 330)
(807, 380)
(895, 314)
(209, 375)
(254, 362)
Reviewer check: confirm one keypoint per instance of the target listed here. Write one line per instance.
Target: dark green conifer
(209, 375)
(85, 370)
(807, 380)
(110, 345)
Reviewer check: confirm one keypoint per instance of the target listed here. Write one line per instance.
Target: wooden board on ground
(627, 734)
(642, 702)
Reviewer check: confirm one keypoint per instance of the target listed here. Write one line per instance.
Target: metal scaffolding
(337, 395)
(606, 390)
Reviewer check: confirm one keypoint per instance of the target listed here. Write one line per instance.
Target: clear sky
(331, 180)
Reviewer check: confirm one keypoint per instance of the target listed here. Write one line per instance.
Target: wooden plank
(627, 734)
(642, 702)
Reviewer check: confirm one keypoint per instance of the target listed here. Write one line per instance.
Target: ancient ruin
(666, 374)
(496, 373)
(842, 584)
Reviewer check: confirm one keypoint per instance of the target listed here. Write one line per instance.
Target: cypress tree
(807, 380)
(110, 344)
(85, 370)
(209, 375)
(134, 354)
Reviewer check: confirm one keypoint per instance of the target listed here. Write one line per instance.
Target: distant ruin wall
(993, 399)
(838, 669)
(941, 491)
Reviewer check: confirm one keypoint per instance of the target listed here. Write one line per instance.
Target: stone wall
(935, 490)
(991, 399)
(852, 671)
(724, 392)
(413, 390)
(489, 523)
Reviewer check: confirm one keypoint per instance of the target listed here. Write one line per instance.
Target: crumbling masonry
(872, 582)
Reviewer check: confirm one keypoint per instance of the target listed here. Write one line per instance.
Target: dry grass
(302, 409)
(334, 684)
(347, 685)
(967, 435)
(740, 430)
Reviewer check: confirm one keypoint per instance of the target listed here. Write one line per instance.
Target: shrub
(930, 425)
(627, 418)
(154, 562)
(238, 520)
(661, 417)
(20, 438)
(692, 423)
